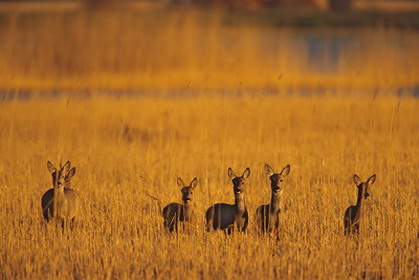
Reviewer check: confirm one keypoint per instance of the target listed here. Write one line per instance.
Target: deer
(268, 215)
(228, 217)
(353, 213)
(60, 202)
(176, 214)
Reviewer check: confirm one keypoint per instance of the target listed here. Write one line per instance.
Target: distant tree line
(329, 4)
(337, 5)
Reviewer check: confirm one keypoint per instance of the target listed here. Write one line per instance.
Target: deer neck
(58, 193)
(188, 210)
(240, 203)
(276, 201)
(58, 201)
(359, 204)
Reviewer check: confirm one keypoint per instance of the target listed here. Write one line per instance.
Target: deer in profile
(353, 213)
(176, 214)
(60, 202)
(267, 215)
(229, 217)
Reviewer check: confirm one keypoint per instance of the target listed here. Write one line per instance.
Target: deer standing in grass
(353, 213)
(267, 215)
(60, 202)
(175, 214)
(227, 217)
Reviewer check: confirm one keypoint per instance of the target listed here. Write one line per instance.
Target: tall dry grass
(160, 48)
(125, 149)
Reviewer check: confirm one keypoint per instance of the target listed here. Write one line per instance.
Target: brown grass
(128, 149)
(160, 48)
(125, 149)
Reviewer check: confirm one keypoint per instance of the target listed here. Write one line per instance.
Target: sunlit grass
(164, 48)
(125, 149)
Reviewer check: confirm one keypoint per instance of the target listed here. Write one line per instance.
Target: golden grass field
(213, 94)
(126, 149)
(161, 48)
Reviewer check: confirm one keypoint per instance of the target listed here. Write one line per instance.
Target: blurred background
(213, 46)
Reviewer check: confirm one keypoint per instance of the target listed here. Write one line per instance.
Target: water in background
(187, 52)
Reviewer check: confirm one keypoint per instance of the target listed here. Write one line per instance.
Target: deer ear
(180, 182)
(371, 179)
(231, 173)
(268, 170)
(66, 166)
(246, 173)
(357, 180)
(72, 172)
(286, 170)
(51, 167)
(194, 183)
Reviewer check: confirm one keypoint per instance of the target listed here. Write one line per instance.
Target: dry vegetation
(125, 149)
(128, 149)
(160, 48)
